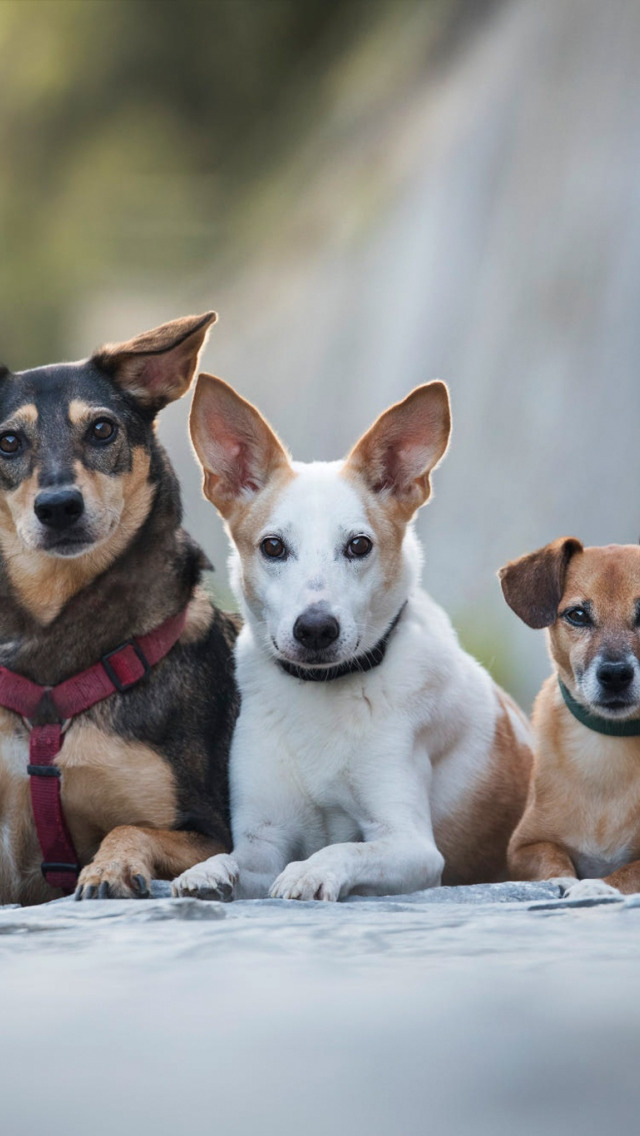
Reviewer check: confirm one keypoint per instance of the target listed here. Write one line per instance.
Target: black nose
(615, 676)
(316, 628)
(59, 508)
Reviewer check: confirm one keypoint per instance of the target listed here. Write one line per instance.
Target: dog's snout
(59, 508)
(615, 676)
(316, 628)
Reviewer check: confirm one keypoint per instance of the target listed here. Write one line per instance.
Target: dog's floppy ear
(396, 456)
(533, 585)
(157, 366)
(237, 449)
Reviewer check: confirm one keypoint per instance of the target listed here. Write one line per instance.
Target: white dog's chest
(329, 826)
(330, 775)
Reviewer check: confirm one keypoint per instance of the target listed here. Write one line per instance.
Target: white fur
(334, 787)
(586, 888)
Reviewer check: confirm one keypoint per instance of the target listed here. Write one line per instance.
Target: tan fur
(46, 583)
(584, 795)
(397, 455)
(27, 415)
(128, 852)
(199, 616)
(389, 531)
(248, 519)
(107, 779)
(474, 842)
(81, 412)
(109, 785)
(157, 366)
(20, 875)
(237, 448)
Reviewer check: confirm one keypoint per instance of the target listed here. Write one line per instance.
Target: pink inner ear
(238, 469)
(161, 374)
(387, 471)
(398, 466)
(152, 374)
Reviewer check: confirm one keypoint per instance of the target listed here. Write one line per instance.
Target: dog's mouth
(617, 707)
(68, 544)
(309, 660)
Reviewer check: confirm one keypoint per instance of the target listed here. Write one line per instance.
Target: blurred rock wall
(478, 221)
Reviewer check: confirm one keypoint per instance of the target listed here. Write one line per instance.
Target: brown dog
(582, 819)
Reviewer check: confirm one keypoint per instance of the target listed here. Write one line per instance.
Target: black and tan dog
(91, 555)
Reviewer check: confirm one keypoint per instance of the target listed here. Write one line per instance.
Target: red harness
(118, 670)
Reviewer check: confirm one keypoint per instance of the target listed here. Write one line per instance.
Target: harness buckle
(120, 686)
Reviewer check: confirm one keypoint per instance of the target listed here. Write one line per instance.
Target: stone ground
(483, 1010)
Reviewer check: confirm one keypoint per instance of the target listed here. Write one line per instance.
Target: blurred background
(372, 193)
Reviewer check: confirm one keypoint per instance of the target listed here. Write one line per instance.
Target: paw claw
(108, 878)
(304, 881)
(215, 879)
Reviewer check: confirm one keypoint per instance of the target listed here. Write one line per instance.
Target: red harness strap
(118, 670)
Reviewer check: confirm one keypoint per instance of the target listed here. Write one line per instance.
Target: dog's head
(76, 440)
(323, 558)
(589, 599)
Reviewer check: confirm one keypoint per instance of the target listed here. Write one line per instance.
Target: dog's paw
(114, 879)
(215, 878)
(301, 880)
(563, 882)
(591, 889)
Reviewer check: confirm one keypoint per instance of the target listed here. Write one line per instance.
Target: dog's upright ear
(396, 456)
(236, 447)
(157, 366)
(533, 585)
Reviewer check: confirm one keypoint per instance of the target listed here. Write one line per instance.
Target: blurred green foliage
(133, 133)
(480, 636)
(126, 129)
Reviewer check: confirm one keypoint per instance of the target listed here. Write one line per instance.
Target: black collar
(360, 665)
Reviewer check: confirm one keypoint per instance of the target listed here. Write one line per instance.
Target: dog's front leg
(394, 864)
(627, 879)
(130, 857)
(538, 859)
(398, 853)
(267, 818)
(258, 855)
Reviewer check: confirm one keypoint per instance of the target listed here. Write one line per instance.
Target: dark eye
(102, 430)
(358, 547)
(273, 548)
(10, 443)
(578, 617)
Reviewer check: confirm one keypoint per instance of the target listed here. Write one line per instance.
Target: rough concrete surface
(486, 1010)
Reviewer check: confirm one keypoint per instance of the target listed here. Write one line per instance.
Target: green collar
(628, 729)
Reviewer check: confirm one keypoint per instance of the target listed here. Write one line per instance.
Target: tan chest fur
(586, 786)
(106, 782)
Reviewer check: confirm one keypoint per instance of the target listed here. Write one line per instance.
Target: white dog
(372, 754)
